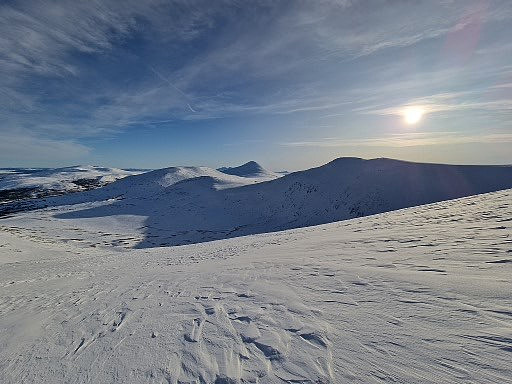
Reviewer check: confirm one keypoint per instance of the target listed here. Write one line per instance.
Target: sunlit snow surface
(420, 295)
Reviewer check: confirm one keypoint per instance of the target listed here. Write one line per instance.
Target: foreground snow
(420, 295)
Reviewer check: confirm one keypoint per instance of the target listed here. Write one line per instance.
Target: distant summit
(249, 169)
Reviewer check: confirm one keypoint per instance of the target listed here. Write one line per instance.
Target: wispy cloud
(411, 139)
(504, 85)
(70, 70)
(447, 102)
(40, 36)
(27, 150)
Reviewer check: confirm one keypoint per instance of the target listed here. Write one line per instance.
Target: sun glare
(413, 115)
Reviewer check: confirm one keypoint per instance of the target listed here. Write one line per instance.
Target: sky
(290, 84)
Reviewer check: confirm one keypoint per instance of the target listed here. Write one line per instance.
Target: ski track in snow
(420, 295)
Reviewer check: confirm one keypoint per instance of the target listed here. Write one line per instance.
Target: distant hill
(24, 183)
(249, 169)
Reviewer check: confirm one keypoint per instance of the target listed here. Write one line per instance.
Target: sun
(413, 114)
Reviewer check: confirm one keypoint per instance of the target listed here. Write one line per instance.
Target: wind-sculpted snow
(420, 295)
(184, 205)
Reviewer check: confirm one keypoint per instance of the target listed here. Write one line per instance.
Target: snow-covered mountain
(20, 183)
(182, 205)
(250, 169)
(417, 296)
(90, 292)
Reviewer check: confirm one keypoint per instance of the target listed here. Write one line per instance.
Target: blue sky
(290, 84)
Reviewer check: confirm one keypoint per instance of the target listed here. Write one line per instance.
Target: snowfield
(418, 295)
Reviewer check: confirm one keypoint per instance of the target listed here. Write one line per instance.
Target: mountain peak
(251, 163)
(249, 169)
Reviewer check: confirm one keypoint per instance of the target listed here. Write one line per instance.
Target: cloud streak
(25, 150)
(413, 139)
(448, 102)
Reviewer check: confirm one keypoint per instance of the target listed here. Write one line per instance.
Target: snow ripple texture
(419, 295)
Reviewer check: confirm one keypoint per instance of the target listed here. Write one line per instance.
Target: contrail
(173, 86)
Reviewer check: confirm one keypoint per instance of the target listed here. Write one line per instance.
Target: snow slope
(419, 295)
(183, 205)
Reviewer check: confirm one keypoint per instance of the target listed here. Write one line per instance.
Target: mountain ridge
(182, 205)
